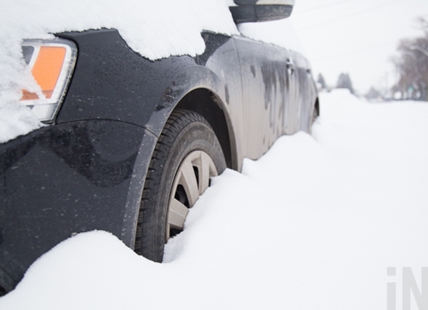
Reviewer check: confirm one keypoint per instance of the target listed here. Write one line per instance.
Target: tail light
(51, 63)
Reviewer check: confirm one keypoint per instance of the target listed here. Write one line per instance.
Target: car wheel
(186, 155)
(313, 117)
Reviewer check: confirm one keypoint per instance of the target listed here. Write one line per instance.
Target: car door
(302, 104)
(293, 96)
(265, 86)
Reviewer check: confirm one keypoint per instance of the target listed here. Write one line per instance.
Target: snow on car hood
(155, 29)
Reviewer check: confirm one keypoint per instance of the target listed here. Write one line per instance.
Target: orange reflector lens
(46, 70)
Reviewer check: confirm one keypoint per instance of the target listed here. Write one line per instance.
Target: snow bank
(155, 29)
(314, 224)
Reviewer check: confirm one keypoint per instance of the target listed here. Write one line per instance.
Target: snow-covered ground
(314, 224)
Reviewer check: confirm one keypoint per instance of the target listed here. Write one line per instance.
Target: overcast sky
(356, 36)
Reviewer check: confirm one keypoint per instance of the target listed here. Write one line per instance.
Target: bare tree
(412, 65)
(321, 81)
(344, 81)
(373, 94)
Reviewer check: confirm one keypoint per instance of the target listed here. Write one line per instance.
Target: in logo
(408, 289)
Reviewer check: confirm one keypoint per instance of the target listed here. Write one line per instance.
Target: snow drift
(314, 224)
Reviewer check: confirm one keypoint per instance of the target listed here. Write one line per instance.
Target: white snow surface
(16, 120)
(313, 224)
(155, 29)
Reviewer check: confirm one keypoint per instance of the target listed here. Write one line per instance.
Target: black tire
(186, 136)
(313, 117)
(316, 112)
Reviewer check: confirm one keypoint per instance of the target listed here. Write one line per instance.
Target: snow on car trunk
(314, 224)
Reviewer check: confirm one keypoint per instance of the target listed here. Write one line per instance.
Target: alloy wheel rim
(191, 181)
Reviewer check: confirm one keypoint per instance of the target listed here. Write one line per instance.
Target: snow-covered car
(130, 141)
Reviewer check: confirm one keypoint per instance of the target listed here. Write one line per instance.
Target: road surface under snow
(313, 224)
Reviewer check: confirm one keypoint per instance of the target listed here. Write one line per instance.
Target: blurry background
(359, 39)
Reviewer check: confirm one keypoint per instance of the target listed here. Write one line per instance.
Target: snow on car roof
(279, 32)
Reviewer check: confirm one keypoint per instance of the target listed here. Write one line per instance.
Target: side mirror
(251, 11)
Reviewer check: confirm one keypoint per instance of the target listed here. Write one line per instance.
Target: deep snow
(313, 224)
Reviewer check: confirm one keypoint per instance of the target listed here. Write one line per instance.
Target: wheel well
(207, 104)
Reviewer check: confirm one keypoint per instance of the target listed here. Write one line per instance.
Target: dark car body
(87, 170)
